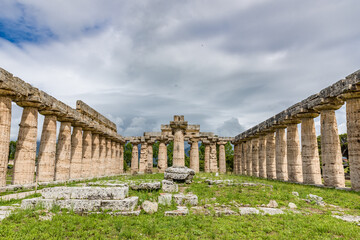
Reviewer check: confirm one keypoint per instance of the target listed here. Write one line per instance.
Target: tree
(12, 149)
(229, 155)
(127, 155)
(170, 148)
(155, 153)
(202, 157)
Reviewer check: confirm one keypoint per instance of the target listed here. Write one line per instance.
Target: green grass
(315, 222)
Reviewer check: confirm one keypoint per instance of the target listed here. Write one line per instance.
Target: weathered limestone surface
(353, 130)
(63, 152)
(255, 157)
(146, 186)
(213, 158)
(24, 161)
(143, 157)
(150, 158)
(162, 157)
(280, 156)
(270, 156)
(262, 156)
(47, 151)
(243, 158)
(86, 154)
(236, 154)
(169, 186)
(194, 156)
(121, 152)
(135, 158)
(5, 123)
(333, 170)
(95, 155)
(294, 154)
(108, 162)
(76, 153)
(222, 158)
(179, 174)
(310, 154)
(248, 158)
(102, 155)
(178, 153)
(207, 158)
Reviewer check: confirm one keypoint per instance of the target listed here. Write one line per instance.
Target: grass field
(311, 222)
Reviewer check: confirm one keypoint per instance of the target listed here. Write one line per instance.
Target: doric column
(243, 161)
(309, 151)
(235, 159)
(47, 151)
(213, 157)
(102, 155)
(280, 154)
(270, 156)
(63, 152)
(294, 153)
(194, 155)
(207, 156)
(95, 155)
(121, 157)
(114, 164)
(262, 156)
(76, 153)
(108, 162)
(135, 157)
(222, 157)
(331, 156)
(255, 156)
(86, 154)
(5, 124)
(162, 156)
(248, 157)
(179, 155)
(353, 137)
(25, 155)
(143, 157)
(150, 158)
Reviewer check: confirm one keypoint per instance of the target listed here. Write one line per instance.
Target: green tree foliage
(170, 148)
(155, 153)
(187, 158)
(127, 155)
(12, 149)
(229, 154)
(202, 157)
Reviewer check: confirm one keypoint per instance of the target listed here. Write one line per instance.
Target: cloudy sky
(226, 65)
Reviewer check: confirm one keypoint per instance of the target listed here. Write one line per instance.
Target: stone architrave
(281, 154)
(76, 153)
(108, 162)
(143, 157)
(135, 158)
(194, 155)
(353, 137)
(63, 152)
(255, 156)
(331, 156)
(95, 155)
(102, 155)
(213, 158)
(207, 158)
(262, 156)
(86, 154)
(270, 156)
(5, 125)
(25, 155)
(249, 158)
(150, 158)
(309, 151)
(162, 157)
(222, 157)
(243, 158)
(47, 151)
(294, 153)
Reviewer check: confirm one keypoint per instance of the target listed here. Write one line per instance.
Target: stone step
(91, 193)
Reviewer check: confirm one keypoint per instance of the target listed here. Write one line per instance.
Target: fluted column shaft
(281, 155)
(270, 156)
(143, 157)
(194, 156)
(207, 158)
(63, 152)
(213, 158)
(134, 158)
(95, 155)
(222, 159)
(249, 158)
(108, 162)
(121, 157)
(114, 164)
(102, 155)
(47, 151)
(243, 158)
(162, 157)
(76, 153)
(235, 159)
(262, 156)
(150, 159)
(5, 125)
(294, 154)
(25, 155)
(255, 157)
(178, 152)
(86, 154)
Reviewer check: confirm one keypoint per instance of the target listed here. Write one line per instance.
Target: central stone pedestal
(179, 174)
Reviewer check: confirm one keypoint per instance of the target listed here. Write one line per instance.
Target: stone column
(270, 156)
(5, 125)
(135, 157)
(213, 158)
(25, 155)
(281, 154)
(150, 158)
(102, 155)
(194, 155)
(76, 153)
(262, 156)
(207, 157)
(222, 157)
(331, 156)
(255, 156)
(47, 151)
(310, 153)
(243, 158)
(235, 159)
(95, 155)
(121, 157)
(249, 157)
(294, 153)
(143, 157)
(63, 153)
(353, 137)
(179, 155)
(162, 157)
(108, 162)
(86, 154)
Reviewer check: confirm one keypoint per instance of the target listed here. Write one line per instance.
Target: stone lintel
(330, 104)
(309, 114)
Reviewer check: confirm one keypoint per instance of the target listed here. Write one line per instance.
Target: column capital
(330, 104)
